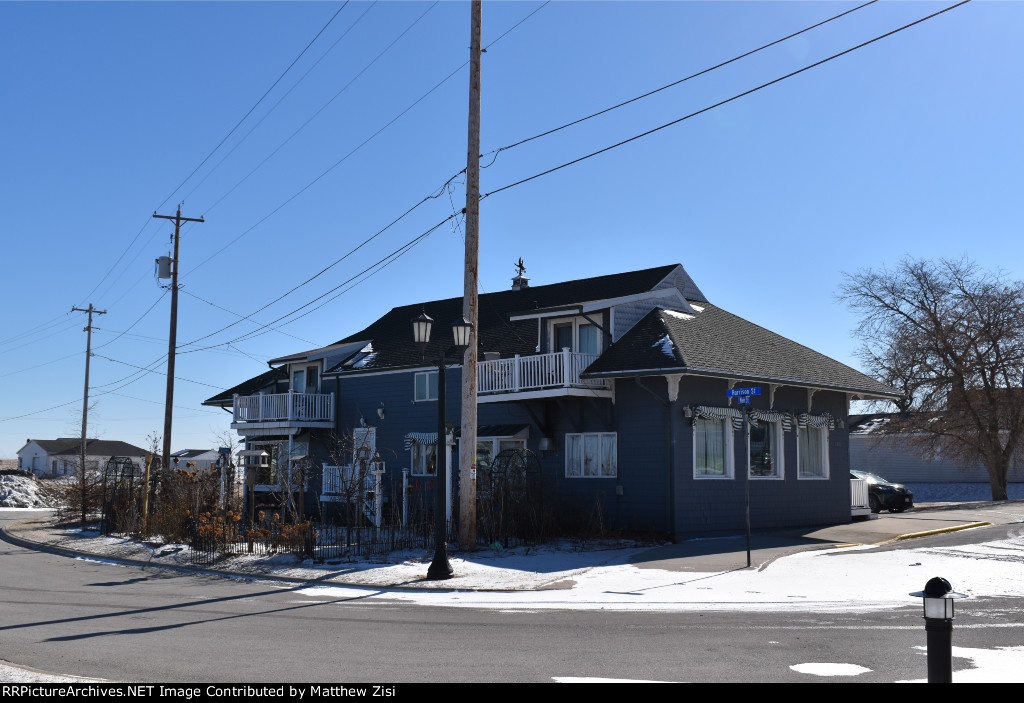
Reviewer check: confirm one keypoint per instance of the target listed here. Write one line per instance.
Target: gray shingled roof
(250, 387)
(714, 342)
(71, 446)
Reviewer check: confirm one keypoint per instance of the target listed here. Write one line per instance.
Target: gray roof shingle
(714, 342)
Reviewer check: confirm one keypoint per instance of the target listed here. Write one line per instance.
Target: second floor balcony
(283, 411)
(536, 376)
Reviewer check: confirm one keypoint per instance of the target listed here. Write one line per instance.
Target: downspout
(670, 504)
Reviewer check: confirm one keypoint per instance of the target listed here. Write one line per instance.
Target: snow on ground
(20, 492)
(845, 580)
(999, 665)
(15, 674)
(842, 580)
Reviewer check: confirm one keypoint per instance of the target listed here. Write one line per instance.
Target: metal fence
(319, 542)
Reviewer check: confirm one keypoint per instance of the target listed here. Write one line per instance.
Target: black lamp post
(440, 568)
(938, 598)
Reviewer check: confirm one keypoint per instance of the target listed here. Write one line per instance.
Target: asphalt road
(132, 624)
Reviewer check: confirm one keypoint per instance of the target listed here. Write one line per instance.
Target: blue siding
(704, 505)
(655, 490)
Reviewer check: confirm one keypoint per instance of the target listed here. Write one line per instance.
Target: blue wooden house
(619, 384)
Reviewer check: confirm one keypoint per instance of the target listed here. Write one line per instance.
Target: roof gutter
(727, 375)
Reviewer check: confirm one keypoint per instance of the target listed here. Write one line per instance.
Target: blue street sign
(733, 392)
(743, 400)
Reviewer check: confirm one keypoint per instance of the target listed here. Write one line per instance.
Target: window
(712, 448)
(812, 452)
(299, 381)
(592, 455)
(489, 447)
(364, 438)
(576, 335)
(765, 442)
(426, 385)
(424, 459)
(589, 343)
(312, 379)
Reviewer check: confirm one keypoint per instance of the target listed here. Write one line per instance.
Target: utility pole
(85, 406)
(173, 336)
(470, 302)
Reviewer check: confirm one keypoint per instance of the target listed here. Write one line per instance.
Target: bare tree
(228, 471)
(950, 336)
(81, 494)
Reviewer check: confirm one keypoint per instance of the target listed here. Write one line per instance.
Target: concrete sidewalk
(714, 554)
(717, 554)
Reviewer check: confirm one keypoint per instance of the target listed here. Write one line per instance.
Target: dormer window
(577, 334)
(306, 379)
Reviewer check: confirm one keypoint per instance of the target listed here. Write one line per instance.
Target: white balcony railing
(284, 407)
(538, 371)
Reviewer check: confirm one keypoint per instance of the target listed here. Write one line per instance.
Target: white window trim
(730, 454)
(780, 441)
(601, 436)
(415, 385)
(577, 322)
(824, 459)
(414, 467)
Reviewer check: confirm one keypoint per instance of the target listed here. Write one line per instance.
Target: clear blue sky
(909, 146)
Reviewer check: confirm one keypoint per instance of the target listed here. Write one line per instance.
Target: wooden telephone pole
(470, 303)
(173, 336)
(83, 482)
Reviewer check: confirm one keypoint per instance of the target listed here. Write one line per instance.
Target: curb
(942, 530)
(7, 536)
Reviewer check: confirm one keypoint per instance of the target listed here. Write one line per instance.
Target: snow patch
(20, 492)
(823, 669)
(999, 665)
(667, 347)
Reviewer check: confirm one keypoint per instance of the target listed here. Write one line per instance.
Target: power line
(357, 148)
(176, 378)
(271, 110)
(371, 137)
(678, 82)
(329, 266)
(371, 270)
(244, 317)
(226, 137)
(723, 102)
(255, 105)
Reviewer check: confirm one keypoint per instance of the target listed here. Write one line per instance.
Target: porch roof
(250, 387)
(713, 342)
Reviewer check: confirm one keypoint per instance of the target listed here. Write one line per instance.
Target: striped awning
(420, 438)
(423, 438)
(714, 413)
(771, 416)
(808, 420)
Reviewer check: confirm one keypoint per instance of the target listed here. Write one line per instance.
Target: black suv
(884, 495)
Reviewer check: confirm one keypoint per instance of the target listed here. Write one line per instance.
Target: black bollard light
(938, 598)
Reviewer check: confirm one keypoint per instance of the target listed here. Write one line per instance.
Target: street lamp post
(938, 598)
(440, 568)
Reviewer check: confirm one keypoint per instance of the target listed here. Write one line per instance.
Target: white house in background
(59, 457)
(195, 459)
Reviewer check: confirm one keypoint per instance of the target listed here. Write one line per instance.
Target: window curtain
(812, 452)
(710, 446)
